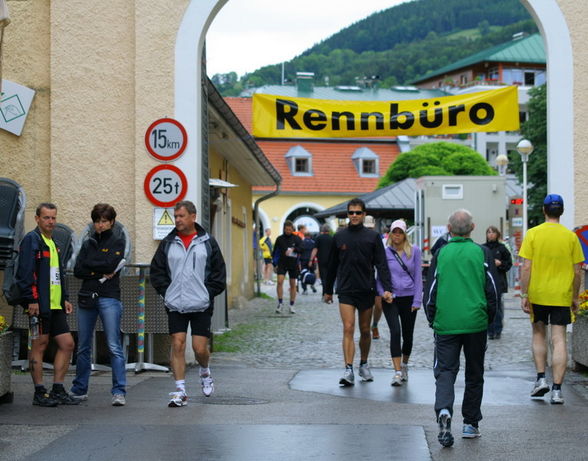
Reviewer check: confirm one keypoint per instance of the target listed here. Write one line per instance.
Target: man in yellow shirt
(550, 283)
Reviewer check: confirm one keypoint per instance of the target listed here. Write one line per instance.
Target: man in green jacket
(460, 302)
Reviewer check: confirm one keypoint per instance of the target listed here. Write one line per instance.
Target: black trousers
(399, 312)
(447, 352)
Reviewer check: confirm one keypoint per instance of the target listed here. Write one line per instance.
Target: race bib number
(55, 278)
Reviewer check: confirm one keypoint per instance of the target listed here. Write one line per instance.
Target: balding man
(460, 302)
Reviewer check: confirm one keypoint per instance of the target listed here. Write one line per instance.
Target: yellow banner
(285, 117)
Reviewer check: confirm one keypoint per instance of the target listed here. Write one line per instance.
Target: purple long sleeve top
(401, 281)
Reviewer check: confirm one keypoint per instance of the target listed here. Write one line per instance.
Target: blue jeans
(110, 312)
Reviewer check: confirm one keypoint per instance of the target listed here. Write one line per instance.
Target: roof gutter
(257, 255)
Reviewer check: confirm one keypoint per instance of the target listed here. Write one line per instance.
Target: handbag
(87, 299)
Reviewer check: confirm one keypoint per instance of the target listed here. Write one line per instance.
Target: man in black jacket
(41, 279)
(356, 251)
(188, 271)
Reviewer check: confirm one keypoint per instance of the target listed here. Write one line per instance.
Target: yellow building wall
(576, 17)
(277, 208)
(238, 249)
(101, 76)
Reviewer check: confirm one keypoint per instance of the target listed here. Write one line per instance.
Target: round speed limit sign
(166, 139)
(165, 185)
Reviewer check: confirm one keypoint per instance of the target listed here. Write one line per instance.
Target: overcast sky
(248, 34)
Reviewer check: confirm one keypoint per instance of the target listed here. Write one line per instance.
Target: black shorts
(267, 261)
(361, 301)
(199, 322)
(291, 271)
(54, 324)
(556, 315)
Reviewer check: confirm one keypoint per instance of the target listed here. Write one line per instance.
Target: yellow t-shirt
(54, 277)
(553, 250)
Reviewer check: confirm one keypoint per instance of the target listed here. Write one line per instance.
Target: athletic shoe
(445, 438)
(207, 385)
(80, 397)
(497, 336)
(63, 398)
(470, 432)
(304, 292)
(279, 308)
(118, 400)
(541, 388)
(397, 379)
(365, 373)
(313, 288)
(404, 372)
(556, 397)
(375, 333)
(178, 399)
(348, 378)
(43, 399)
(292, 310)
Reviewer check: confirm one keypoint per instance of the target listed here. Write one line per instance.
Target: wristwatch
(524, 295)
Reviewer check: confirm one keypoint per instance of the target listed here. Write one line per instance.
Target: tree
(535, 130)
(436, 159)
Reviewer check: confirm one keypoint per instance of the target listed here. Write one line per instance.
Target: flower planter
(580, 341)
(5, 366)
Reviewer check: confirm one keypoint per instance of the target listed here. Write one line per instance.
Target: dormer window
(299, 161)
(366, 162)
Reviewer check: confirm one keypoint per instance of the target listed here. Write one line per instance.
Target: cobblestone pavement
(311, 338)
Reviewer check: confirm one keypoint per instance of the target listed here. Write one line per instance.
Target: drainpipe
(255, 220)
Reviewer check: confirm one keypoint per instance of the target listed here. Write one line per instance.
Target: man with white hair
(460, 302)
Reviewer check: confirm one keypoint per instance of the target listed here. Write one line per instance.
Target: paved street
(279, 399)
(311, 338)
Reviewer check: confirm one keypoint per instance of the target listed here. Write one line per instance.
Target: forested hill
(398, 44)
(413, 21)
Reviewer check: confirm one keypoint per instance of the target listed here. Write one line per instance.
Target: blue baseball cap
(553, 200)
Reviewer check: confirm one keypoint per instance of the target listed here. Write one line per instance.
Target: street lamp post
(525, 148)
(502, 164)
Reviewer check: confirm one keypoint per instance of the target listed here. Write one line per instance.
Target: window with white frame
(452, 191)
(299, 161)
(366, 162)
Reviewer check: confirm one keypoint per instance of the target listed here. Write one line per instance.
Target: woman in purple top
(404, 261)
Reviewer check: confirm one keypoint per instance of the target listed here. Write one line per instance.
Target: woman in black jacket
(98, 265)
(503, 261)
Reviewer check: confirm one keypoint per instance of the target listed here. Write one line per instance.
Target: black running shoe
(44, 400)
(63, 398)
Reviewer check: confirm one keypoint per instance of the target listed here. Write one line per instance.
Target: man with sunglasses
(355, 252)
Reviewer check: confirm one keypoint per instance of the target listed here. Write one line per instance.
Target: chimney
(304, 82)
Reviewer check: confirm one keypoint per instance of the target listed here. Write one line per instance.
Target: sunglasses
(351, 213)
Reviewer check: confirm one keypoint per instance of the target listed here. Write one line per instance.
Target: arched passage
(560, 102)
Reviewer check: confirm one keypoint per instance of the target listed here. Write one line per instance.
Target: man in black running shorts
(356, 251)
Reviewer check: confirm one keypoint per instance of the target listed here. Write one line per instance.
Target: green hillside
(398, 44)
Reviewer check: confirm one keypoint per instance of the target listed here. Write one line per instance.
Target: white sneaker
(540, 388)
(292, 310)
(404, 372)
(118, 400)
(397, 379)
(178, 399)
(279, 308)
(207, 385)
(365, 373)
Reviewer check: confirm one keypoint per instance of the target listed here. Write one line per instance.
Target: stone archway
(560, 99)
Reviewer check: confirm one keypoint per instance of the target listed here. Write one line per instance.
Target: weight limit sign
(166, 139)
(165, 185)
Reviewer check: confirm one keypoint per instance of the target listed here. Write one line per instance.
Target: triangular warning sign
(165, 220)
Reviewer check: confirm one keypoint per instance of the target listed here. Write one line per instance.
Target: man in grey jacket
(188, 271)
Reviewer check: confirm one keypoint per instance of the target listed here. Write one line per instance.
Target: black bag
(10, 289)
(87, 299)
